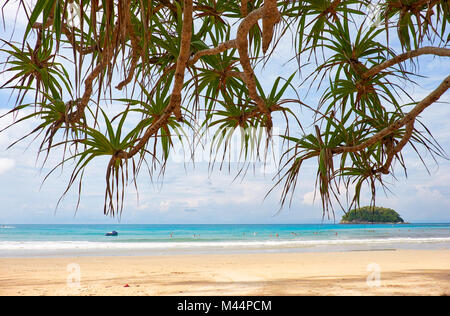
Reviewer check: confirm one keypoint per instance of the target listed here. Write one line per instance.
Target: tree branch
(175, 98)
(136, 52)
(395, 150)
(244, 9)
(271, 17)
(409, 117)
(88, 83)
(428, 50)
(69, 35)
(265, 12)
(212, 51)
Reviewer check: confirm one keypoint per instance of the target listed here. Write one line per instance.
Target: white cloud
(14, 15)
(308, 198)
(164, 205)
(6, 164)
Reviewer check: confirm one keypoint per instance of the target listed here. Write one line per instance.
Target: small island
(372, 215)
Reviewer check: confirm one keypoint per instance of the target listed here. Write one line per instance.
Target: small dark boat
(113, 233)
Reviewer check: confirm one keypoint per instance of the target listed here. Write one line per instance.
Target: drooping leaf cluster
(189, 67)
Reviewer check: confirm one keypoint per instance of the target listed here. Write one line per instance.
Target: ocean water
(90, 240)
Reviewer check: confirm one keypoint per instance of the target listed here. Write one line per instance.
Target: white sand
(402, 272)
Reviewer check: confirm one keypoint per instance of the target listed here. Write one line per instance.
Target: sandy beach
(390, 272)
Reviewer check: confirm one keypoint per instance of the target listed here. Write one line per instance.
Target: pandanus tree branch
(88, 84)
(394, 150)
(213, 51)
(408, 118)
(428, 50)
(271, 16)
(68, 33)
(183, 58)
(244, 9)
(105, 57)
(269, 12)
(175, 97)
(136, 52)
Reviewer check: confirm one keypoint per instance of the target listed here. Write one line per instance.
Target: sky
(191, 194)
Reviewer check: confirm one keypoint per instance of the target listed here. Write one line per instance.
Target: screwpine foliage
(189, 66)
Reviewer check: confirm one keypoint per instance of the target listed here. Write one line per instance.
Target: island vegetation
(369, 214)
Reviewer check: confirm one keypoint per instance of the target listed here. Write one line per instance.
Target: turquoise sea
(90, 240)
